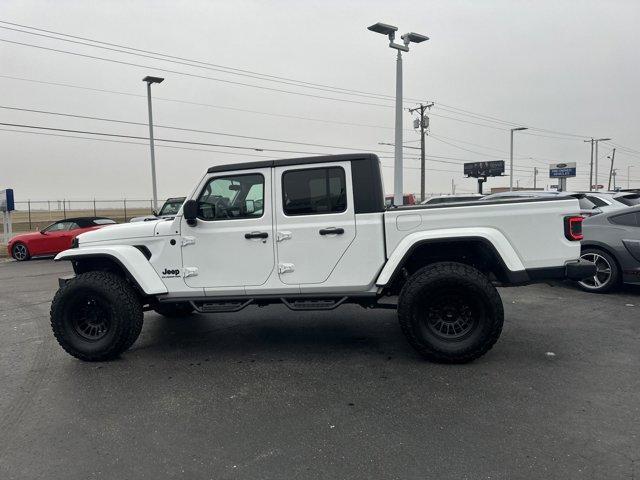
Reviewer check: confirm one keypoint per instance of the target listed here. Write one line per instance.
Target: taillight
(573, 228)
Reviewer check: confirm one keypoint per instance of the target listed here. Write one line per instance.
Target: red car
(407, 199)
(53, 239)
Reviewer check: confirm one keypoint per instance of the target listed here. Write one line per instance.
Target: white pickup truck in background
(313, 234)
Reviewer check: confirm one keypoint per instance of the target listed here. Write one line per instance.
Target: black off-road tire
(450, 312)
(20, 252)
(96, 316)
(174, 310)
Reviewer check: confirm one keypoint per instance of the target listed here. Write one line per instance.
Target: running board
(207, 306)
(313, 303)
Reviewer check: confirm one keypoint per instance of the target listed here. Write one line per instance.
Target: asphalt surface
(272, 394)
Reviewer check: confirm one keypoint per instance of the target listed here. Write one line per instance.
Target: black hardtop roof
(293, 161)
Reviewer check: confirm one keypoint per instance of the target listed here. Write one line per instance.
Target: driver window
(57, 227)
(232, 197)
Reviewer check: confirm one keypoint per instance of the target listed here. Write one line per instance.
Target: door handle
(332, 231)
(251, 235)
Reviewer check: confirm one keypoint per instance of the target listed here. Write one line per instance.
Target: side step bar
(313, 303)
(221, 306)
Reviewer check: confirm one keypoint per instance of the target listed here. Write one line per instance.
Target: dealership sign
(484, 169)
(6, 200)
(562, 170)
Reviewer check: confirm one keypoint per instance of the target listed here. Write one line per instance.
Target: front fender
(132, 261)
(493, 237)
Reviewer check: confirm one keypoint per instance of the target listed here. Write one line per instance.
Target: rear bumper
(575, 270)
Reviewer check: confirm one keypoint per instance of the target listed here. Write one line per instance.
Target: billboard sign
(6, 200)
(562, 170)
(484, 169)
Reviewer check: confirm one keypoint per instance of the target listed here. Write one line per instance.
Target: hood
(25, 237)
(121, 231)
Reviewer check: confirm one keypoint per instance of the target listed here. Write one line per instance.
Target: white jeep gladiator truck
(313, 234)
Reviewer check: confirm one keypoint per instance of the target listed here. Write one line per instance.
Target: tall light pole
(595, 167)
(149, 81)
(407, 38)
(629, 176)
(517, 129)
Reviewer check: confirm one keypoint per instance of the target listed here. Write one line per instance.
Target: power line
(193, 75)
(200, 104)
(197, 63)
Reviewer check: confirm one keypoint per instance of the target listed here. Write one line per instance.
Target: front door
(231, 244)
(315, 220)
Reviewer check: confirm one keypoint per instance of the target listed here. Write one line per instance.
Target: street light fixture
(149, 80)
(517, 129)
(407, 38)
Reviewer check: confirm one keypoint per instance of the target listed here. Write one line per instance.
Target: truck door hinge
(190, 272)
(188, 241)
(283, 236)
(286, 267)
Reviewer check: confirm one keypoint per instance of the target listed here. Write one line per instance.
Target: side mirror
(190, 212)
(249, 206)
(154, 213)
(42, 232)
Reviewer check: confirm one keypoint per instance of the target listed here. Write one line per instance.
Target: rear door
(231, 244)
(315, 220)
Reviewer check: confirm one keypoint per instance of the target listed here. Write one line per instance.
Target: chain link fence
(34, 215)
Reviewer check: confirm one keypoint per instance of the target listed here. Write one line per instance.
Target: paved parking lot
(269, 393)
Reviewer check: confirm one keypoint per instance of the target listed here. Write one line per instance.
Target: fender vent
(145, 251)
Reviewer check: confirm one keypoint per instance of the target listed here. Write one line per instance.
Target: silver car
(612, 241)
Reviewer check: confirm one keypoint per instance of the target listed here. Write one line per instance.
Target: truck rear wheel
(96, 316)
(450, 312)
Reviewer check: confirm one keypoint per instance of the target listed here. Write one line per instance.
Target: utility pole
(613, 174)
(612, 157)
(629, 176)
(518, 129)
(453, 187)
(424, 124)
(595, 163)
(149, 81)
(590, 165)
(535, 177)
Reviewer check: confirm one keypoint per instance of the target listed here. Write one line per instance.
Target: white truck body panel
(213, 257)
(534, 230)
(128, 257)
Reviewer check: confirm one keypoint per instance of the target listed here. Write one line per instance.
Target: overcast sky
(568, 67)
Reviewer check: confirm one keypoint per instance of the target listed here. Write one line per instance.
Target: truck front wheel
(450, 312)
(96, 316)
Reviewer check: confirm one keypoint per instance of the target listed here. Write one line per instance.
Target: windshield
(171, 207)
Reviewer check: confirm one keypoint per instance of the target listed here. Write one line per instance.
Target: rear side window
(587, 204)
(598, 202)
(627, 219)
(629, 200)
(314, 191)
(104, 221)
